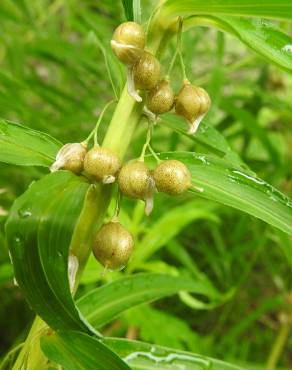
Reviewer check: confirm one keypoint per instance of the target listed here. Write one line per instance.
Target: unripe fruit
(128, 42)
(70, 157)
(192, 103)
(135, 181)
(146, 72)
(113, 246)
(160, 99)
(172, 177)
(102, 164)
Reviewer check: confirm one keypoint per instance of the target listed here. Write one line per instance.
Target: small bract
(70, 157)
(192, 103)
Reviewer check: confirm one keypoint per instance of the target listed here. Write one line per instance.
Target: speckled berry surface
(172, 177)
(192, 102)
(135, 180)
(160, 99)
(129, 34)
(113, 246)
(146, 72)
(101, 162)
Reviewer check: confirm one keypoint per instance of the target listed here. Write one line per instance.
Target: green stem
(278, 346)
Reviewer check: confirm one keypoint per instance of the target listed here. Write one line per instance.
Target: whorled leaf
(221, 182)
(23, 146)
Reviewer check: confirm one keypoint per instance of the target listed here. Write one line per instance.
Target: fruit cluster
(113, 244)
(192, 102)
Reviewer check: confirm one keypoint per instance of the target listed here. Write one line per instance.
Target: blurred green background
(53, 78)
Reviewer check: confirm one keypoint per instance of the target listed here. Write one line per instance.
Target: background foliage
(54, 60)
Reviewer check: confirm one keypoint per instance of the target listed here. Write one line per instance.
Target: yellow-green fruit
(128, 42)
(135, 180)
(146, 72)
(160, 99)
(102, 164)
(70, 157)
(113, 246)
(192, 103)
(172, 177)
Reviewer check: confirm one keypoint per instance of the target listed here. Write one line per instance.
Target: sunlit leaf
(78, 351)
(21, 145)
(103, 304)
(249, 8)
(236, 188)
(145, 356)
(39, 232)
(258, 34)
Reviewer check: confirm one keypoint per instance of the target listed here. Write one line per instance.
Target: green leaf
(78, 351)
(223, 183)
(137, 11)
(166, 228)
(249, 8)
(128, 8)
(260, 35)
(178, 334)
(23, 146)
(39, 231)
(251, 124)
(103, 304)
(6, 272)
(144, 356)
(207, 136)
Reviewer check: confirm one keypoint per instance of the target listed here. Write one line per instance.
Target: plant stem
(278, 346)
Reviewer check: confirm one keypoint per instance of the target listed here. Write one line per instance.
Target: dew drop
(24, 212)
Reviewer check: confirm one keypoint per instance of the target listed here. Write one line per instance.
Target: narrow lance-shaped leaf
(258, 34)
(145, 356)
(128, 8)
(248, 8)
(39, 231)
(103, 304)
(207, 136)
(23, 146)
(77, 351)
(236, 188)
